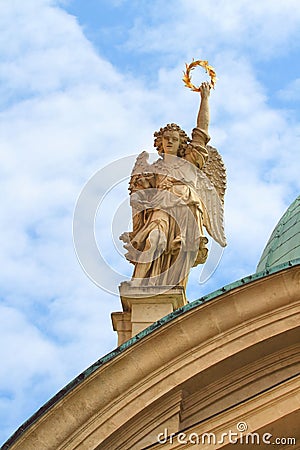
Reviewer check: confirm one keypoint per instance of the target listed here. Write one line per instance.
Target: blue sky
(85, 83)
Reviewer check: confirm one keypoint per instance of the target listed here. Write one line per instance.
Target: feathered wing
(138, 196)
(215, 171)
(211, 185)
(140, 167)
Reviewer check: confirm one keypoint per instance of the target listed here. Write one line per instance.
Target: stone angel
(174, 200)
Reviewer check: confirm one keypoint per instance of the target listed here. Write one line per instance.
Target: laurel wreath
(189, 67)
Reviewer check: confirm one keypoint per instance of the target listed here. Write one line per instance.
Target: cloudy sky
(84, 84)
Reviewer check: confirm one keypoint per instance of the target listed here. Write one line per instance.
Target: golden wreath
(189, 67)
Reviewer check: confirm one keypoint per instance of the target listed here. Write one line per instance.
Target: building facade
(218, 371)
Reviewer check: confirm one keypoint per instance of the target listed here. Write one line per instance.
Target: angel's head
(171, 139)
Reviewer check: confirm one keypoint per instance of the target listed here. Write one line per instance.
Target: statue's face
(170, 142)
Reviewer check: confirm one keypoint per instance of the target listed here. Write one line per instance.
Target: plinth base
(144, 305)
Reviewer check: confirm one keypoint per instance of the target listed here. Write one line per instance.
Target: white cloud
(48, 53)
(197, 26)
(27, 356)
(291, 92)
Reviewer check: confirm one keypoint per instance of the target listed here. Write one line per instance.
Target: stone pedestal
(144, 305)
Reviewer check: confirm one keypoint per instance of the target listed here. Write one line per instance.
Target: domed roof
(284, 243)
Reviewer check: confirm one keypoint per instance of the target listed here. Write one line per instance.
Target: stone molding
(237, 323)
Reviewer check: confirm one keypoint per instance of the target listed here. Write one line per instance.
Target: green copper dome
(284, 243)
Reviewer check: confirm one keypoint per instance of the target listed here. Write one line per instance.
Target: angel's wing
(213, 208)
(140, 167)
(138, 196)
(215, 170)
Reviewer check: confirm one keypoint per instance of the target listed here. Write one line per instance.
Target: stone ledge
(131, 293)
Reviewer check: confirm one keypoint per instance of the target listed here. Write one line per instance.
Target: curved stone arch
(150, 385)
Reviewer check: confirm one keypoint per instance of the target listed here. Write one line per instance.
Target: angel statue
(174, 200)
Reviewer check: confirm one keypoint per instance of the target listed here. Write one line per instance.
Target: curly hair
(183, 139)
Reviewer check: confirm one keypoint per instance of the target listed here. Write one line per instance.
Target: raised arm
(197, 152)
(203, 115)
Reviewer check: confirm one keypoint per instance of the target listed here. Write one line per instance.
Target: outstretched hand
(205, 89)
